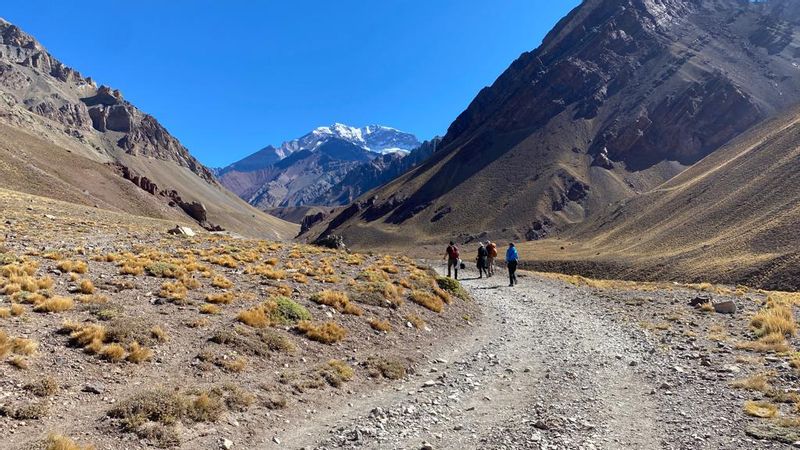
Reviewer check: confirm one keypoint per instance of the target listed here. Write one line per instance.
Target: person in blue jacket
(512, 258)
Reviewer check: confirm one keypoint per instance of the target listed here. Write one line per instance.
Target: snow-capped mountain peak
(374, 138)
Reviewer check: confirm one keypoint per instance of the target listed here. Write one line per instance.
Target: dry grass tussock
(221, 282)
(771, 326)
(72, 266)
(223, 298)
(54, 304)
(115, 344)
(338, 301)
(758, 382)
(326, 332)
(153, 414)
(59, 442)
(415, 321)
(273, 312)
(380, 325)
(428, 300)
(761, 409)
(645, 286)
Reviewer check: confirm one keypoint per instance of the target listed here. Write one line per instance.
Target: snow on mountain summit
(375, 138)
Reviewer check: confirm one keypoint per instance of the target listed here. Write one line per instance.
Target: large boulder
(195, 210)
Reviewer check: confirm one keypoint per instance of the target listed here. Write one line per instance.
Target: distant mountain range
(309, 170)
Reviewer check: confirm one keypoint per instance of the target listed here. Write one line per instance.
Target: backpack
(492, 250)
(452, 252)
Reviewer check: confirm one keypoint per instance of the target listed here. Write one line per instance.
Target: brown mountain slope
(733, 217)
(64, 137)
(620, 97)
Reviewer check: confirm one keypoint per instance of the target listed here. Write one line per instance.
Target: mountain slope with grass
(65, 137)
(620, 97)
(733, 217)
(189, 335)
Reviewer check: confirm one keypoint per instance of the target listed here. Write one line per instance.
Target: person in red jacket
(452, 258)
(491, 247)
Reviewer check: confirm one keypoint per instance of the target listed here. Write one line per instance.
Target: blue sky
(229, 77)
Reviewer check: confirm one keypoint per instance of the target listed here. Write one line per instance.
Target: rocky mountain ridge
(58, 110)
(310, 170)
(621, 96)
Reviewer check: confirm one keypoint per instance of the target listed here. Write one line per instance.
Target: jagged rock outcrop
(61, 136)
(75, 101)
(194, 209)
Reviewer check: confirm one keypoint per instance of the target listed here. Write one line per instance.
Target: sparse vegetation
(762, 409)
(153, 414)
(453, 287)
(59, 442)
(43, 387)
(337, 300)
(427, 300)
(391, 369)
(380, 325)
(54, 305)
(326, 332)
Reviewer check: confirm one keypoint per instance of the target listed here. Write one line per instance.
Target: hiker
(492, 249)
(452, 259)
(482, 260)
(512, 257)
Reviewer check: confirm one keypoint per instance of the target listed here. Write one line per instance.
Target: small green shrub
(453, 287)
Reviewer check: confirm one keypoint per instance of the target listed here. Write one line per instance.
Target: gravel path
(541, 371)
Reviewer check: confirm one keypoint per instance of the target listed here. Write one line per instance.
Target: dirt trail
(542, 370)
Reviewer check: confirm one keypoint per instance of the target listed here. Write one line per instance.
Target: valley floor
(562, 366)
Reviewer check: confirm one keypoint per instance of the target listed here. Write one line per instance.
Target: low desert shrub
(762, 409)
(453, 287)
(428, 300)
(380, 325)
(43, 387)
(337, 300)
(391, 369)
(326, 332)
(59, 442)
(72, 266)
(54, 304)
(223, 298)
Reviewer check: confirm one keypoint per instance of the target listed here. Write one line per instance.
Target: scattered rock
(726, 307)
(183, 231)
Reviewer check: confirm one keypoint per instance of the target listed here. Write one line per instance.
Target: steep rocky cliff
(621, 96)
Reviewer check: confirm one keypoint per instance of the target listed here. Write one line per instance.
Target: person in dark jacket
(512, 258)
(483, 261)
(452, 255)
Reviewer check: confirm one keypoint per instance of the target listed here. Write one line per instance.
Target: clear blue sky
(229, 77)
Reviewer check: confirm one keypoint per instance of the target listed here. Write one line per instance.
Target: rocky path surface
(541, 371)
(552, 366)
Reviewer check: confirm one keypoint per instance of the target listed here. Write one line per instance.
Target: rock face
(372, 174)
(63, 137)
(621, 96)
(30, 76)
(315, 169)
